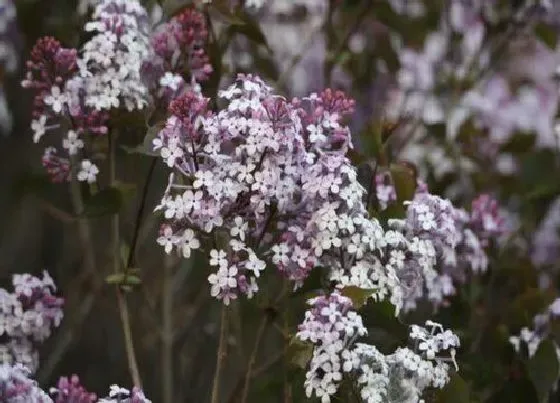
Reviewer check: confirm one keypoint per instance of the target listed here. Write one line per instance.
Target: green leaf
(107, 201)
(543, 369)
(456, 391)
(146, 147)
(116, 278)
(249, 28)
(299, 352)
(125, 250)
(404, 179)
(34, 183)
(132, 280)
(359, 296)
(547, 34)
(224, 10)
(312, 283)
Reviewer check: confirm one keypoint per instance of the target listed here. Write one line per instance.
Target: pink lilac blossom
(179, 46)
(71, 391)
(27, 317)
(60, 105)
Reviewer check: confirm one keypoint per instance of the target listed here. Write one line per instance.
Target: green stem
(220, 356)
(253, 357)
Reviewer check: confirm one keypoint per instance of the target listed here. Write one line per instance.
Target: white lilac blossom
(17, 387)
(333, 327)
(112, 59)
(27, 317)
(88, 172)
(118, 394)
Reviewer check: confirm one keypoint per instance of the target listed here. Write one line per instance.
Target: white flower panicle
(112, 59)
(333, 327)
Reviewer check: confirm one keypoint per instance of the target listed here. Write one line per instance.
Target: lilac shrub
(264, 163)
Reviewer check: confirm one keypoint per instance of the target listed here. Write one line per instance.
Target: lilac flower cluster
(60, 103)
(111, 60)
(123, 395)
(437, 244)
(265, 164)
(71, 391)
(436, 235)
(27, 317)
(333, 326)
(179, 48)
(17, 387)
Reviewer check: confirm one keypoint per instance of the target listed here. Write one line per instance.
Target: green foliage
(107, 201)
(543, 369)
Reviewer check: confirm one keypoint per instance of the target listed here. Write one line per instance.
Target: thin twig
(84, 234)
(167, 331)
(220, 356)
(253, 357)
(117, 265)
(130, 262)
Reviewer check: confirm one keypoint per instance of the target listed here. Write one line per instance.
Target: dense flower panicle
(111, 61)
(437, 245)
(17, 387)
(265, 164)
(71, 391)
(27, 317)
(333, 327)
